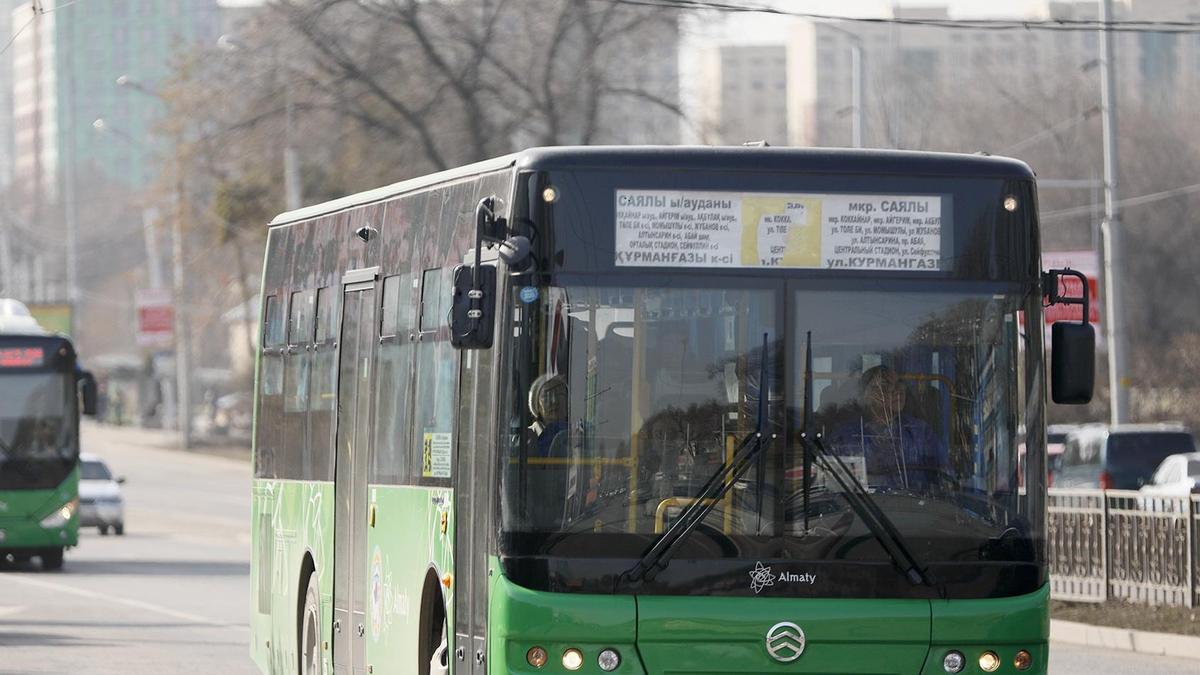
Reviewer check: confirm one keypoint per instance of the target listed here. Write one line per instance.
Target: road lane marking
(128, 602)
(10, 610)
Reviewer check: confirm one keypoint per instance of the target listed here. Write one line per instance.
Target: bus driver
(899, 451)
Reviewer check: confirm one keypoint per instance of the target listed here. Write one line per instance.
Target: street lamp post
(1110, 230)
(183, 366)
(856, 84)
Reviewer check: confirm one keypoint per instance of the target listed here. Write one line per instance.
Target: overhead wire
(1061, 25)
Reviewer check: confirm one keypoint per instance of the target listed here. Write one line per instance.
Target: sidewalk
(1125, 639)
(163, 440)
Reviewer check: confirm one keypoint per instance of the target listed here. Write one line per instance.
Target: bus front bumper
(18, 535)
(696, 635)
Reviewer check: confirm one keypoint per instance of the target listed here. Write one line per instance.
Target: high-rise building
(65, 68)
(911, 71)
(744, 94)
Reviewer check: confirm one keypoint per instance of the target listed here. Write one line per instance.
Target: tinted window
(1136, 455)
(437, 379)
(94, 471)
(1193, 468)
(322, 391)
(270, 382)
(272, 326)
(394, 377)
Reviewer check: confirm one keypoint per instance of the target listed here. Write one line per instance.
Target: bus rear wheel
(52, 559)
(310, 630)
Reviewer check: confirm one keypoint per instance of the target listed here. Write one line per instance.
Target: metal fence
(1119, 544)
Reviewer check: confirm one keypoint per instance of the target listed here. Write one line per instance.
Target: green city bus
(40, 405)
(660, 409)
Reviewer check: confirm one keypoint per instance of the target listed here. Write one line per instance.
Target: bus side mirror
(87, 390)
(1072, 362)
(1072, 345)
(473, 313)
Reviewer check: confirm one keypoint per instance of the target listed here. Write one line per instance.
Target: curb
(1125, 639)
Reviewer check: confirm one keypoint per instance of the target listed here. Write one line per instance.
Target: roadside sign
(1085, 261)
(155, 318)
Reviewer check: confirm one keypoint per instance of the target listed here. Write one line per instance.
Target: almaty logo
(761, 577)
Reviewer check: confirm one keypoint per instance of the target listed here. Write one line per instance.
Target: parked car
(1056, 445)
(1119, 458)
(1178, 475)
(100, 502)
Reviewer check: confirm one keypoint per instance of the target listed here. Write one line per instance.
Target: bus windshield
(625, 400)
(36, 421)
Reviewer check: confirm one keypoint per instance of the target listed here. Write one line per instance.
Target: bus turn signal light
(537, 657)
(1022, 660)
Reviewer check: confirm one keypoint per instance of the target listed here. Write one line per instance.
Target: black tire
(52, 559)
(119, 529)
(103, 530)
(309, 639)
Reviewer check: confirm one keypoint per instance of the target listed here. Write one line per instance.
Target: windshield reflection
(627, 400)
(35, 416)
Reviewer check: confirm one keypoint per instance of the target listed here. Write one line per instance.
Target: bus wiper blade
(715, 488)
(860, 500)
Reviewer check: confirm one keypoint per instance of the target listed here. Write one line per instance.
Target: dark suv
(1119, 458)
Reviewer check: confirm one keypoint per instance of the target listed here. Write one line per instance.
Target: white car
(100, 501)
(1177, 476)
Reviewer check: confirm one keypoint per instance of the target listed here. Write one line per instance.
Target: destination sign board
(684, 228)
(22, 357)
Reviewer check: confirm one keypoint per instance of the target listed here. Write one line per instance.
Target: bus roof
(781, 159)
(16, 319)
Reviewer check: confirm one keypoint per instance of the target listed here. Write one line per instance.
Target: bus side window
(393, 378)
(437, 379)
(323, 393)
(295, 456)
(270, 417)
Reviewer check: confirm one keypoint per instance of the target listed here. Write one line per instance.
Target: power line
(1061, 25)
(1130, 201)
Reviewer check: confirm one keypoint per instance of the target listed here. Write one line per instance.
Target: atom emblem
(761, 577)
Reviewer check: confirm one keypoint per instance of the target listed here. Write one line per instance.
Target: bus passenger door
(473, 477)
(350, 478)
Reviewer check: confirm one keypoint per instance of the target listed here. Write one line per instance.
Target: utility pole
(182, 335)
(1110, 229)
(856, 97)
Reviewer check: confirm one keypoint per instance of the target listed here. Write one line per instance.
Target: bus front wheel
(52, 559)
(310, 630)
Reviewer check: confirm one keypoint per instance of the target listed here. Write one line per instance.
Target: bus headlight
(609, 660)
(61, 515)
(572, 659)
(989, 662)
(954, 662)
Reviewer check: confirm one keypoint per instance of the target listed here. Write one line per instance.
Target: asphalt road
(172, 595)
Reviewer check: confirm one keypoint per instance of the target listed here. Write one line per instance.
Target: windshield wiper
(860, 500)
(717, 485)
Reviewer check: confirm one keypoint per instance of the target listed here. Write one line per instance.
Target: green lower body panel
(28, 535)
(23, 510)
(659, 635)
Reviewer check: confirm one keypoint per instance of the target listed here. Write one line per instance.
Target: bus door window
(296, 363)
(437, 375)
(322, 390)
(397, 328)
